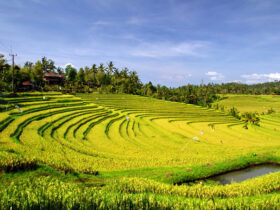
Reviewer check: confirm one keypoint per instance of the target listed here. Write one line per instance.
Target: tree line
(109, 79)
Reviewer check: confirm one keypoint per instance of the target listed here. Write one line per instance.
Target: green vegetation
(127, 151)
(109, 79)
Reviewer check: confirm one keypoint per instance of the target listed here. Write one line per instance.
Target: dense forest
(109, 79)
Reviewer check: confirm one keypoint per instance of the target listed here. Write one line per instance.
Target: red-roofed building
(52, 78)
(26, 85)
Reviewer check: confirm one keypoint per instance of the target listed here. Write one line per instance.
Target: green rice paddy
(130, 151)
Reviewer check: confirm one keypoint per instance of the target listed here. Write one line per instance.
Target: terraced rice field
(249, 103)
(114, 136)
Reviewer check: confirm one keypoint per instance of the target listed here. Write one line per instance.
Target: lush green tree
(100, 78)
(234, 112)
(37, 73)
(26, 73)
(101, 67)
(90, 76)
(59, 70)
(111, 68)
(28, 65)
(67, 69)
(81, 76)
(150, 89)
(100, 75)
(48, 65)
(4, 68)
(18, 76)
(134, 82)
(94, 68)
(71, 74)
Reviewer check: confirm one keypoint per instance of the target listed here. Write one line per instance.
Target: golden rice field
(128, 151)
(249, 103)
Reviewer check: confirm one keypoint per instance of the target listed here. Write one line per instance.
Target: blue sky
(170, 42)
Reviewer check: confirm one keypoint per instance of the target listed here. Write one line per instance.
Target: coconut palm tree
(110, 68)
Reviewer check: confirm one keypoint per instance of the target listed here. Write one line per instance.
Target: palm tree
(101, 67)
(94, 68)
(110, 68)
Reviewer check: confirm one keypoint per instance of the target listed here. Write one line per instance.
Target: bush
(270, 111)
(234, 112)
(251, 118)
(4, 86)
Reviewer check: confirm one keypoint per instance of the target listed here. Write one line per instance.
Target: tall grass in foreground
(48, 193)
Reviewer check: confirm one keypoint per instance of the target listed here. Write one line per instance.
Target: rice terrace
(120, 104)
(123, 150)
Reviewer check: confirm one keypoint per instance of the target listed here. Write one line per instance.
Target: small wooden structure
(26, 86)
(52, 78)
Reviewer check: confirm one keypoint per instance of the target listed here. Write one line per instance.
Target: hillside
(251, 103)
(134, 144)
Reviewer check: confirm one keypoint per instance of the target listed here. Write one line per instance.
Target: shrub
(234, 112)
(270, 111)
(251, 118)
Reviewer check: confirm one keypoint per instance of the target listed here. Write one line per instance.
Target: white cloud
(211, 73)
(236, 81)
(64, 66)
(215, 76)
(157, 50)
(259, 78)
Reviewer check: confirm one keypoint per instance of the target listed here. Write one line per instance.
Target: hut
(52, 78)
(26, 86)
